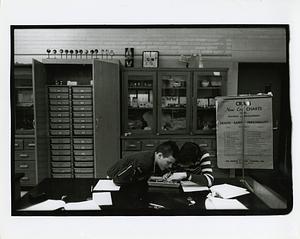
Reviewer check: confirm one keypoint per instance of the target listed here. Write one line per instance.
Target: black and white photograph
(150, 124)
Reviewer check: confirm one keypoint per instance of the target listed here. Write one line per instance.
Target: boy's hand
(177, 176)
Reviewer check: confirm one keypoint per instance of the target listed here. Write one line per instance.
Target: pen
(156, 206)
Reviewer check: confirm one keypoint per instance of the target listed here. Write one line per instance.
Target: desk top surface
(135, 200)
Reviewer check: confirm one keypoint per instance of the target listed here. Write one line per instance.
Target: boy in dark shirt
(137, 168)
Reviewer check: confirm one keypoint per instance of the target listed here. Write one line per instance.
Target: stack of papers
(227, 191)
(106, 185)
(220, 203)
(102, 198)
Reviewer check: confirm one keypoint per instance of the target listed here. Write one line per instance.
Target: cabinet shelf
(140, 88)
(209, 88)
(173, 108)
(140, 108)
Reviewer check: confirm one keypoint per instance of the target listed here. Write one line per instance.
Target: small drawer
(59, 108)
(83, 126)
(58, 96)
(29, 179)
(84, 158)
(59, 114)
(84, 175)
(84, 164)
(132, 145)
(149, 144)
(83, 170)
(82, 108)
(59, 132)
(25, 166)
(29, 143)
(83, 152)
(59, 120)
(82, 102)
(18, 144)
(60, 152)
(83, 141)
(61, 170)
(82, 120)
(60, 146)
(82, 114)
(83, 132)
(83, 146)
(59, 126)
(60, 158)
(61, 164)
(61, 175)
(59, 102)
(82, 89)
(82, 96)
(61, 141)
(55, 89)
(25, 155)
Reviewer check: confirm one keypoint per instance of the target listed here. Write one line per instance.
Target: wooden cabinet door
(106, 115)
(40, 116)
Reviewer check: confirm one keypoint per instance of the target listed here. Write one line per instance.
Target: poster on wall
(244, 132)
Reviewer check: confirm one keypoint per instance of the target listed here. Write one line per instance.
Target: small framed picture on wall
(150, 59)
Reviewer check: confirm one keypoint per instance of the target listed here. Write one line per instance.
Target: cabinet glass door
(24, 112)
(207, 85)
(139, 107)
(173, 102)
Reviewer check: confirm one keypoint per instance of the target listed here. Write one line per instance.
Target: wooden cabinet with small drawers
(25, 161)
(67, 152)
(74, 129)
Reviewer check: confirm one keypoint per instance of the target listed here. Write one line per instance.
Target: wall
(219, 47)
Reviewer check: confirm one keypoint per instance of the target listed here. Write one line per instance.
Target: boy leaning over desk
(137, 168)
(193, 164)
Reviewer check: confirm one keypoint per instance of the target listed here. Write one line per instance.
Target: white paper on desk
(102, 198)
(48, 205)
(188, 186)
(84, 205)
(106, 185)
(220, 203)
(228, 191)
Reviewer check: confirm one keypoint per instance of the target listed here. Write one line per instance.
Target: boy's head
(166, 154)
(188, 154)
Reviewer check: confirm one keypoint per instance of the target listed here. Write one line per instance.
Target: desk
(135, 201)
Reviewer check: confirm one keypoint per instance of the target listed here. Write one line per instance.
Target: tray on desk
(160, 182)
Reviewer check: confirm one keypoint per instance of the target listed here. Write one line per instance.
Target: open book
(51, 205)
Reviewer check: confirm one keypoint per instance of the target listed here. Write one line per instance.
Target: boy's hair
(188, 153)
(168, 148)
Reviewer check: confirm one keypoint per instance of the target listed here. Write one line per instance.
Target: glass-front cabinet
(173, 102)
(24, 115)
(140, 107)
(206, 86)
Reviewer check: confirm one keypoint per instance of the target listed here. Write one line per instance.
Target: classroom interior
(85, 96)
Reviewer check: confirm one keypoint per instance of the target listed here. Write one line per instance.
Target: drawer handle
(31, 145)
(132, 145)
(203, 145)
(24, 179)
(149, 145)
(23, 166)
(17, 145)
(24, 155)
